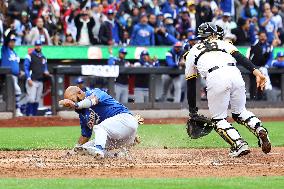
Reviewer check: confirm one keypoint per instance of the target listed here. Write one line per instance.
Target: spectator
(48, 23)
(107, 32)
(124, 8)
(160, 19)
(135, 16)
(69, 23)
(228, 6)
(261, 55)
(84, 24)
(38, 33)
(121, 83)
(36, 64)
(204, 13)
(143, 33)
(22, 28)
(225, 23)
(217, 15)
(98, 17)
(184, 22)
(281, 13)
(245, 32)
(190, 32)
(278, 21)
(168, 28)
(11, 60)
(69, 40)
(16, 7)
(154, 6)
(279, 62)
(171, 8)
(56, 41)
(125, 40)
(36, 11)
(141, 91)
(268, 24)
(172, 61)
(250, 10)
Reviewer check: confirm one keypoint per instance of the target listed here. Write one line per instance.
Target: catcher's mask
(206, 29)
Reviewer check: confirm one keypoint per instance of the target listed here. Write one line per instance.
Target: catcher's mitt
(198, 126)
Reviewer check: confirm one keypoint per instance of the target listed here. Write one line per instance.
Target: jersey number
(207, 46)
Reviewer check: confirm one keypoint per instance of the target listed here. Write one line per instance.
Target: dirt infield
(141, 163)
(40, 121)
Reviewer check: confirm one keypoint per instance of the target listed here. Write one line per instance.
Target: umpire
(35, 69)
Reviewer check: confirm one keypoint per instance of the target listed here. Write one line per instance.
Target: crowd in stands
(138, 22)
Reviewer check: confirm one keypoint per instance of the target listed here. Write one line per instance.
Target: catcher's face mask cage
(206, 29)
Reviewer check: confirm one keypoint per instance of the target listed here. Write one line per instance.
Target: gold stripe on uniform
(233, 51)
(185, 54)
(191, 76)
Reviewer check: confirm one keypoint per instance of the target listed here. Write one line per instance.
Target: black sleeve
(191, 95)
(242, 60)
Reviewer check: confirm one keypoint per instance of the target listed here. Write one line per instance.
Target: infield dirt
(141, 163)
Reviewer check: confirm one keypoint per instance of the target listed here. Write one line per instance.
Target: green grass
(156, 136)
(202, 183)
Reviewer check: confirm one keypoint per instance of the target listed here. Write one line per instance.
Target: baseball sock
(29, 109)
(35, 107)
(17, 101)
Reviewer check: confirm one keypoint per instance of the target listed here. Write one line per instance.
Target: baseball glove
(198, 126)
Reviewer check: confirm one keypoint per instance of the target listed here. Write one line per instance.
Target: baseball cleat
(264, 141)
(241, 150)
(18, 113)
(80, 150)
(96, 152)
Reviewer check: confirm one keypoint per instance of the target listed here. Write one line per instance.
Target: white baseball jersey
(204, 56)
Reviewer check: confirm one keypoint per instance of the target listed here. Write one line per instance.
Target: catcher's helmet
(220, 32)
(206, 29)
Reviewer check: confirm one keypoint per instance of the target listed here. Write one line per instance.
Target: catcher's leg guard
(228, 133)
(249, 120)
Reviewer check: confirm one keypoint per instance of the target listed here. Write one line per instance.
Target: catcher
(113, 124)
(216, 60)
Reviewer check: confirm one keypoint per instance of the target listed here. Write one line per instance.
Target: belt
(217, 67)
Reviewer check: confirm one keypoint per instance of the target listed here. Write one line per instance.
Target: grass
(197, 183)
(156, 136)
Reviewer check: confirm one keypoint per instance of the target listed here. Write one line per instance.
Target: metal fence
(59, 86)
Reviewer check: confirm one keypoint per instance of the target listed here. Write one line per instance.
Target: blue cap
(183, 9)
(192, 38)
(190, 30)
(110, 11)
(12, 38)
(79, 80)
(38, 42)
(144, 52)
(143, 15)
(280, 54)
(94, 4)
(123, 50)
